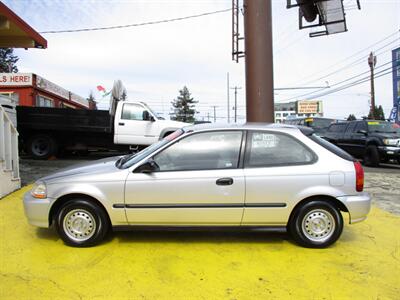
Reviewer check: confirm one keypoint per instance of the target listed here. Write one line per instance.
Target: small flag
(101, 88)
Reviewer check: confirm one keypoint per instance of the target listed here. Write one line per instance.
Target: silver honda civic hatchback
(243, 176)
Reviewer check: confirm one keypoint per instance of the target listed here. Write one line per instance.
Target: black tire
(41, 146)
(81, 223)
(371, 156)
(316, 224)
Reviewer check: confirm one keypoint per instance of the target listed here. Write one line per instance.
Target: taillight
(359, 176)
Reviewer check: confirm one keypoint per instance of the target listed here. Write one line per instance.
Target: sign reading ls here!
(13, 79)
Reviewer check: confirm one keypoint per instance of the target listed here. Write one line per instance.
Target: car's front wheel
(316, 224)
(81, 223)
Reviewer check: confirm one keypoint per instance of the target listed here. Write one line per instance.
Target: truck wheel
(81, 223)
(316, 224)
(42, 146)
(371, 156)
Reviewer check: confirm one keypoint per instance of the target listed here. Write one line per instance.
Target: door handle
(121, 124)
(224, 181)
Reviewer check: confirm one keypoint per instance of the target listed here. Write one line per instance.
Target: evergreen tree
(378, 113)
(351, 117)
(184, 107)
(8, 61)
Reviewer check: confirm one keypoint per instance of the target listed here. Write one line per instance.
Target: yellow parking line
(35, 264)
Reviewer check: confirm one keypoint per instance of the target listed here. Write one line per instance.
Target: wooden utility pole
(372, 63)
(259, 61)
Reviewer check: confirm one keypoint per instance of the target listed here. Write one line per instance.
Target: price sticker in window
(264, 140)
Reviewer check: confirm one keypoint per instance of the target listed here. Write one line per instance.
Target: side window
(132, 111)
(340, 127)
(361, 126)
(202, 151)
(350, 128)
(266, 149)
(43, 101)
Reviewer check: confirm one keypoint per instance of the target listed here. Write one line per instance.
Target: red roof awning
(16, 33)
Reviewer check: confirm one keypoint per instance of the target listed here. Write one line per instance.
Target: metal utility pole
(372, 63)
(228, 104)
(215, 116)
(259, 61)
(236, 88)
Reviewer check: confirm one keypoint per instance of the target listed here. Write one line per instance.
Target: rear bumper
(357, 205)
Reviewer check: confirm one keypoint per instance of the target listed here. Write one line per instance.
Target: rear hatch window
(332, 148)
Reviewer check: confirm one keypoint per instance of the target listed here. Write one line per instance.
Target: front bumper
(390, 152)
(37, 210)
(357, 205)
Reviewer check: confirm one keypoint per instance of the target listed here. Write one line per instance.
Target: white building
(297, 109)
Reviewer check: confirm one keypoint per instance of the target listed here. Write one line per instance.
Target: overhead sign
(13, 79)
(309, 107)
(51, 87)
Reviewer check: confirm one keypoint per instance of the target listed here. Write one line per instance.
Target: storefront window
(43, 101)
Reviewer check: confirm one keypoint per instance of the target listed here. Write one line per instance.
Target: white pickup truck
(46, 132)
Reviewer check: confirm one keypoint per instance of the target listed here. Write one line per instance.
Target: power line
(354, 54)
(353, 84)
(137, 24)
(354, 63)
(340, 82)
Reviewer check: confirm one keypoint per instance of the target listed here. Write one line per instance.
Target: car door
(132, 129)
(359, 139)
(198, 182)
(348, 144)
(277, 168)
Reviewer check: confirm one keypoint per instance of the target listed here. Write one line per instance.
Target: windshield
(153, 112)
(384, 127)
(131, 159)
(319, 123)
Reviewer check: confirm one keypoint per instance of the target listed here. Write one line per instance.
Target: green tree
(8, 61)
(184, 107)
(351, 117)
(378, 113)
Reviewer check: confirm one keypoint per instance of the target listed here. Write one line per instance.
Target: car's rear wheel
(316, 224)
(81, 223)
(371, 157)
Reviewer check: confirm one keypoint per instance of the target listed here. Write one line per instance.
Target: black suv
(373, 141)
(320, 125)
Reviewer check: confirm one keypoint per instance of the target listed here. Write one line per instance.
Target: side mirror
(148, 167)
(147, 117)
(364, 132)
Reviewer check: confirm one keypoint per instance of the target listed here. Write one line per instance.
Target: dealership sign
(309, 107)
(13, 79)
(48, 86)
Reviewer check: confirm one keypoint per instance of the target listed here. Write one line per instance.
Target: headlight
(39, 190)
(391, 142)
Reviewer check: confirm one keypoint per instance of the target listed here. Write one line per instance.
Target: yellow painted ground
(34, 264)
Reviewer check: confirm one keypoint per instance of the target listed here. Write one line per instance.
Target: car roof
(248, 126)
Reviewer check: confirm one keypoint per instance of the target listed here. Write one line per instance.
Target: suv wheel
(371, 157)
(316, 224)
(81, 223)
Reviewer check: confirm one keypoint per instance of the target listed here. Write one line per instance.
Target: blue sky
(155, 61)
